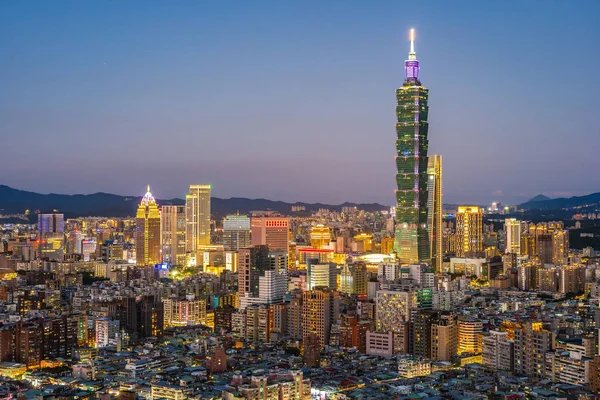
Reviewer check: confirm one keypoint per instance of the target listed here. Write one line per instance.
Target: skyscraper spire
(412, 55)
(411, 66)
(148, 198)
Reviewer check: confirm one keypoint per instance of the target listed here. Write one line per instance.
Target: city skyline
(214, 83)
(285, 250)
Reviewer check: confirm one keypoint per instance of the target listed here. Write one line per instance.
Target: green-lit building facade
(411, 242)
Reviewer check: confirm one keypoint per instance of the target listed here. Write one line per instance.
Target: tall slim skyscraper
(147, 234)
(172, 231)
(320, 308)
(434, 211)
(197, 217)
(512, 228)
(236, 232)
(469, 231)
(411, 237)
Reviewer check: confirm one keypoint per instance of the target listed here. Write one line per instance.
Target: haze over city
(295, 101)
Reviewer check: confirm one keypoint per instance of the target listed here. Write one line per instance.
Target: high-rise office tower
(252, 263)
(353, 278)
(172, 231)
(320, 309)
(147, 234)
(197, 217)
(560, 246)
(321, 275)
(271, 230)
(51, 234)
(272, 287)
(469, 231)
(512, 227)
(236, 232)
(51, 223)
(434, 211)
(411, 236)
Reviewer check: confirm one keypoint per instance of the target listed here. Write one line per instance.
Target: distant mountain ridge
(589, 200)
(15, 201)
(539, 197)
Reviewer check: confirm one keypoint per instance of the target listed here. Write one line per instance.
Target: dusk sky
(294, 100)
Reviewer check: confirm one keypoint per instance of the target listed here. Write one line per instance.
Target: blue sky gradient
(295, 100)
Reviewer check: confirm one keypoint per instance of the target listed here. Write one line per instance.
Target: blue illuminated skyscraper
(51, 223)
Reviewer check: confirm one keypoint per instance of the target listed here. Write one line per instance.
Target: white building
(322, 275)
(568, 367)
(106, 332)
(497, 352)
(411, 367)
(388, 271)
(272, 287)
(423, 274)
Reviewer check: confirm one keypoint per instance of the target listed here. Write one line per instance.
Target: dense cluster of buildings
(414, 302)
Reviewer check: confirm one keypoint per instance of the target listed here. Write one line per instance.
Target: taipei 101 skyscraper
(411, 242)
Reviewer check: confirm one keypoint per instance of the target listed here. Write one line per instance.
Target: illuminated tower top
(148, 207)
(148, 198)
(411, 66)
